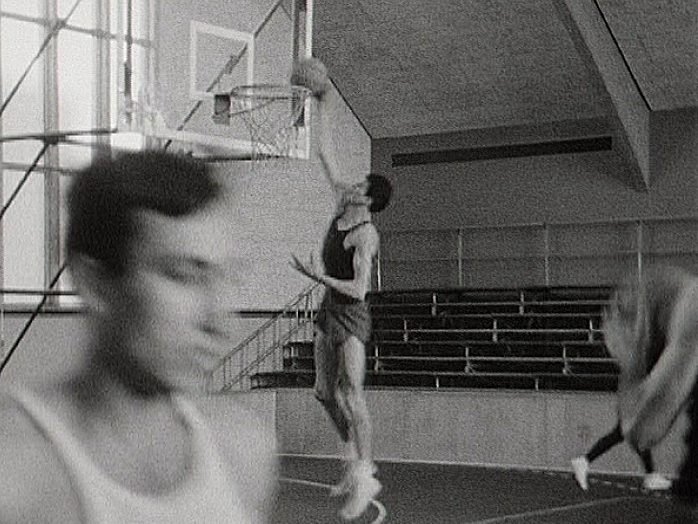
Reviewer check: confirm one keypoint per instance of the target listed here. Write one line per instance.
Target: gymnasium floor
(417, 493)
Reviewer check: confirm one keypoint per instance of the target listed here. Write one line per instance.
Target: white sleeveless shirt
(205, 496)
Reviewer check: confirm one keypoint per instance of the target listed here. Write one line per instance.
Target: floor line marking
(554, 471)
(614, 483)
(305, 482)
(550, 511)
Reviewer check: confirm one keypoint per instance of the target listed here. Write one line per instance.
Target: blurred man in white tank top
(118, 442)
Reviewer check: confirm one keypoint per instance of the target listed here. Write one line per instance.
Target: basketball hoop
(273, 114)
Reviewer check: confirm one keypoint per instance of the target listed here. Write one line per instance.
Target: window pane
(23, 224)
(138, 82)
(113, 15)
(21, 7)
(75, 81)
(24, 112)
(114, 82)
(23, 230)
(83, 14)
(140, 18)
(73, 156)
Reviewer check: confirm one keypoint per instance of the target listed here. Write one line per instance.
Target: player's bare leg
(364, 486)
(328, 394)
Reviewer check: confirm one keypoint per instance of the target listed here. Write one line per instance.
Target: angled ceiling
(418, 67)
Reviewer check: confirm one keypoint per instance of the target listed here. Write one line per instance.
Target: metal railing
(548, 335)
(534, 254)
(263, 349)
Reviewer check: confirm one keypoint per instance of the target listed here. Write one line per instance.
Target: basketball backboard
(175, 56)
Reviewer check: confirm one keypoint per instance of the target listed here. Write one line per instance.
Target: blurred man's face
(171, 315)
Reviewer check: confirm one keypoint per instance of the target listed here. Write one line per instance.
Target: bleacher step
(540, 338)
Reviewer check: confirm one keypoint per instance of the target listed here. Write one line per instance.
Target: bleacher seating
(533, 338)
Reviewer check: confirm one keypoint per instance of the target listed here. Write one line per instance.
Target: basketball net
(273, 115)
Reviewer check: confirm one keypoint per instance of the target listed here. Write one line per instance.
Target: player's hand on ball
(311, 73)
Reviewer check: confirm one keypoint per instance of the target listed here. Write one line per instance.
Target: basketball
(311, 73)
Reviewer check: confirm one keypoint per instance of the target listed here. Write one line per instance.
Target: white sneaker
(580, 465)
(365, 489)
(656, 482)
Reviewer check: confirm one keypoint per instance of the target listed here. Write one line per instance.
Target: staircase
(264, 351)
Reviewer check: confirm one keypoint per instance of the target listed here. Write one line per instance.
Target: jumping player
(344, 323)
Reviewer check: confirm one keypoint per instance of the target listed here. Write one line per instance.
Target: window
(63, 75)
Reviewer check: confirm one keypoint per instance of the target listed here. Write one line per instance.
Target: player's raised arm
(311, 73)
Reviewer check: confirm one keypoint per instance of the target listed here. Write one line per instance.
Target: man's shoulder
(33, 481)
(228, 415)
(17, 432)
(365, 233)
(248, 441)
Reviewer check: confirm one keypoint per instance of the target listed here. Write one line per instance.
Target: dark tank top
(338, 261)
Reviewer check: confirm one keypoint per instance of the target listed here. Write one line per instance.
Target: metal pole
(640, 248)
(546, 253)
(52, 244)
(101, 82)
(460, 258)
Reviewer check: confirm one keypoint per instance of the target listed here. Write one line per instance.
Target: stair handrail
(287, 308)
(246, 371)
(307, 316)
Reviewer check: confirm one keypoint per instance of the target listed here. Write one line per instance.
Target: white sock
(365, 468)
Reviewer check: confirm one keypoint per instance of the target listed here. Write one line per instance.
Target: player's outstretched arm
(312, 74)
(325, 148)
(365, 242)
